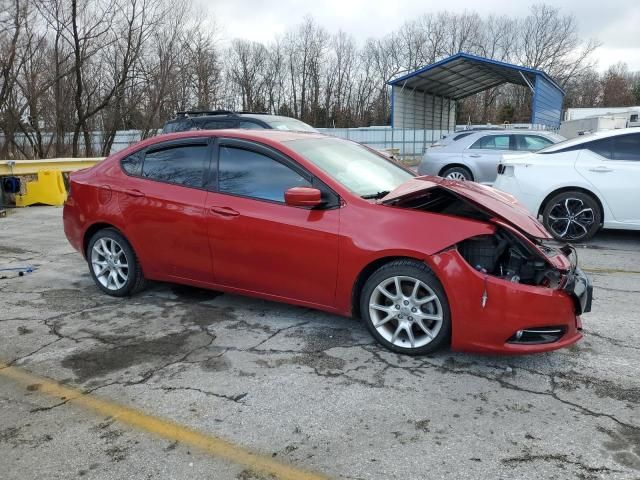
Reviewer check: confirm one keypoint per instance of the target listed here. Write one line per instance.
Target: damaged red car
(326, 223)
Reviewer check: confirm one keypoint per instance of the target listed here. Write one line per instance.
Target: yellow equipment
(48, 189)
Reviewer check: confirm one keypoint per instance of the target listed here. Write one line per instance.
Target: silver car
(475, 155)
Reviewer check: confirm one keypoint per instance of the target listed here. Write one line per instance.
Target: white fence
(408, 142)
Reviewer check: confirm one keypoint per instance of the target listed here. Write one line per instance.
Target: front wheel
(572, 216)
(405, 308)
(113, 264)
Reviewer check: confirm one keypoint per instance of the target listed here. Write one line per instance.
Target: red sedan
(330, 224)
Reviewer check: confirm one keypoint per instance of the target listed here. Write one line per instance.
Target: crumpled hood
(497, 203)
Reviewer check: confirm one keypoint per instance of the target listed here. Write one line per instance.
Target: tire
(572, 216)
(109, 252)
(462, 174)
(411, 313)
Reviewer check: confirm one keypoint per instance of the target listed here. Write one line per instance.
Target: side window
(627, 147)
(181, 164)
(132, 164)
(633, 118)
(248, 125)
(217, 124)
(251, 174)
(602, 147)
(491, 142)
(532, 143)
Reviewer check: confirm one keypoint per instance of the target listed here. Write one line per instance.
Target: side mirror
(303, 197)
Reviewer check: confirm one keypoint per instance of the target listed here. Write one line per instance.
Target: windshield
(291, 124)
(355, 167)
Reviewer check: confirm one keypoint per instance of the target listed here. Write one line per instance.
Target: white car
(579, 185)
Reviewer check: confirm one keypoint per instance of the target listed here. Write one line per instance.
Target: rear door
(612, 166)
(163, 205)
(485, 154)
(259, 243)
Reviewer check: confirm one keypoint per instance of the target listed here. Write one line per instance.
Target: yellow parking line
(160, 427)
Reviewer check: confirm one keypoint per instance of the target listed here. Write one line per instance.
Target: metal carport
(426, 98)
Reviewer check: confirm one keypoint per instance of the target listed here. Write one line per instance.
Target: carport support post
(413, 101)
(433, 118)
(424, 123)
(441, 114)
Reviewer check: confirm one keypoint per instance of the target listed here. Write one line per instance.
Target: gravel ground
(306, 388)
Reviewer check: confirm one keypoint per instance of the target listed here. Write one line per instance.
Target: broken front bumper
(486, 311)
(579, 286)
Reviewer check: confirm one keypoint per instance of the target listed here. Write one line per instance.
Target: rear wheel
(405, 308)
(461, 174)
(113, 264)
(572, 216)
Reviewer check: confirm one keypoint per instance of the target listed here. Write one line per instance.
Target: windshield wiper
(376, 196)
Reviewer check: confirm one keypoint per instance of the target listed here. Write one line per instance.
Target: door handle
(133, 193)
(601, 169)
(475, 155)
(225, 211)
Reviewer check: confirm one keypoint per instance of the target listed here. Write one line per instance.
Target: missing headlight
(504, 256)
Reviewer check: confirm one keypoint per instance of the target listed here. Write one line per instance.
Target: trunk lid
(497, 203)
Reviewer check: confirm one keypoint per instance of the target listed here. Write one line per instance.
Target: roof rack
(195, 113)
(198, 113)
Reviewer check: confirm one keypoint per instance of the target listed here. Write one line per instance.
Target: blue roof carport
(426, 98)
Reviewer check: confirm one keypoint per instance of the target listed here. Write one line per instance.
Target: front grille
(537, 335)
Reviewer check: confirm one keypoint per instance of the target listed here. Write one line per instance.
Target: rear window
(133, 163)
(182, 164)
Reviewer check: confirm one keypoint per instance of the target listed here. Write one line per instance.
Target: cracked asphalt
(309, 389)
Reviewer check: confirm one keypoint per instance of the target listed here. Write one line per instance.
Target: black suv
(217, 119)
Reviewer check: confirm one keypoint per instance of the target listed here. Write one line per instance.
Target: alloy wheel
(405, 311)
(109, 263)
(571, 219)
(456, 176)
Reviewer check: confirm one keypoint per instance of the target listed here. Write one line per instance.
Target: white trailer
(631, 114)
(574, 128)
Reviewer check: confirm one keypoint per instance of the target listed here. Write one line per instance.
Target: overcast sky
(615, 23)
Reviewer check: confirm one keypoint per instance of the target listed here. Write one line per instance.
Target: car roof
(222, 116)
(588, 138)
(481, 133)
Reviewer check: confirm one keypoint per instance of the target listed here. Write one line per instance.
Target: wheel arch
(458, 165)
(93, 229)
(366, 272)
(586, 191)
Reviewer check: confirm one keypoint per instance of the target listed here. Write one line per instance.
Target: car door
(612, 166)
(485, 153)
(258, 243)
(163, 208)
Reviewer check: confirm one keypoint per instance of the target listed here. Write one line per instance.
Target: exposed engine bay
(504, 256)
